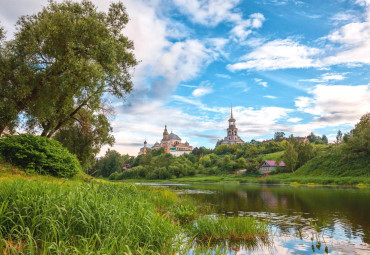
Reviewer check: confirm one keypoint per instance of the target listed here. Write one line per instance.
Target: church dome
(173, 136)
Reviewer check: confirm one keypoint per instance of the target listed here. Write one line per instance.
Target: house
(243, 171)
(126, 166)
(268, 166)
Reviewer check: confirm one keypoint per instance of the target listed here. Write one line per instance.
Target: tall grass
(233, 229)
(79, 218)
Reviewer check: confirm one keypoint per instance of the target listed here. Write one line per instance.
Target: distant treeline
(226, 159)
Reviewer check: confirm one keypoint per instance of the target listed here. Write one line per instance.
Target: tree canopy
(61, 60)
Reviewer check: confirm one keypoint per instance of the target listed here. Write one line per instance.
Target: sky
(289, 65)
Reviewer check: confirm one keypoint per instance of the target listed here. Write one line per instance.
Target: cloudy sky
(285, 65)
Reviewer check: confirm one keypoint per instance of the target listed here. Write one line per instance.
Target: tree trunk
(2, 128)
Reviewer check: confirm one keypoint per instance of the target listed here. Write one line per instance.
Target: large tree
(85, 136)
(63, 59)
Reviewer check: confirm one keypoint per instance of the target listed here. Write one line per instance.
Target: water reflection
(345, 212)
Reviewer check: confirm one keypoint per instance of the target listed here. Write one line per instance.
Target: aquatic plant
(233, 229)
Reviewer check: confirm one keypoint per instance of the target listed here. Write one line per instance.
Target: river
(342, 215)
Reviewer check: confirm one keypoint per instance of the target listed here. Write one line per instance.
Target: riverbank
(44, 214)
(284, 178)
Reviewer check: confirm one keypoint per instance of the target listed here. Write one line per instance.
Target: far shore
(279, 179)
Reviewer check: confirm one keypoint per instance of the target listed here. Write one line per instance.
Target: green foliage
(312, 137)
(110, 163)
(156, 164)
(39, 154)
(70, 54)
(334, 163)
(324, 139)
(234, 229)
(339, 137)
(357, 144)
(201, 151)
(305, 153)
(290, 157)
(185, 213)
(279, 136)
(85, 137)
(82, 218)
(351, 158)
(242, 163)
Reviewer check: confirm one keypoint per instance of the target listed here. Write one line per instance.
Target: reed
(232, 229)
(80, 218)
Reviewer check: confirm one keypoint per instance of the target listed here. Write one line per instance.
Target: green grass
(283, 178)
(333, 164)
(273, 156)
(48, 215)
(83, 218)
(233, 229)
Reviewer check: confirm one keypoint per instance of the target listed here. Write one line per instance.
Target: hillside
(333, 164)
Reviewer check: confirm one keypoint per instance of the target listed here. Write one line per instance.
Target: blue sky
(292, 66)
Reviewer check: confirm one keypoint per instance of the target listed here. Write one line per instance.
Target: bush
(39, 154)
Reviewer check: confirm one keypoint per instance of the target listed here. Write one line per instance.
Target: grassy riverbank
(48, 215)
(284, 178)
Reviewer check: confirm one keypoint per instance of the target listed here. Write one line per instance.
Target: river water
(342, 215)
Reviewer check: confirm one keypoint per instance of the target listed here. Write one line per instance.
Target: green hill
(334, 164)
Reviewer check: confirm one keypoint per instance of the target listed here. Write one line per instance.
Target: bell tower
(232, 131)
(165, 133)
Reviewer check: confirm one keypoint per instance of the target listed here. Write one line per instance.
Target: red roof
(273, 163)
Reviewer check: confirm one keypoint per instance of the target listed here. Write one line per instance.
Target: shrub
(39, 154)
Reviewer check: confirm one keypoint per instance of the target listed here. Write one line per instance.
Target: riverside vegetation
(74, 55)
(48, 215)
(346, 162)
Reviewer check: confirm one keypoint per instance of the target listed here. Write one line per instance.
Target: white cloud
(269, 96)
(278, 54)
(183, 60)
(294, 120)
(254, 122)
(243, 28)
(210, 12)
(261, 82)
(134, 124)
(213, 12)
(349, 44)
(344, 17)
(326, 77)
(240, 85)
(204, 89)
(354, 41)
(224, 76)
(336, 104)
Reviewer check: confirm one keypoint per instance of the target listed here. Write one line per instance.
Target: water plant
(233, 229)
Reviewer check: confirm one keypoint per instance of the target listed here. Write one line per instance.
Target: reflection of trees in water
(347, 207)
